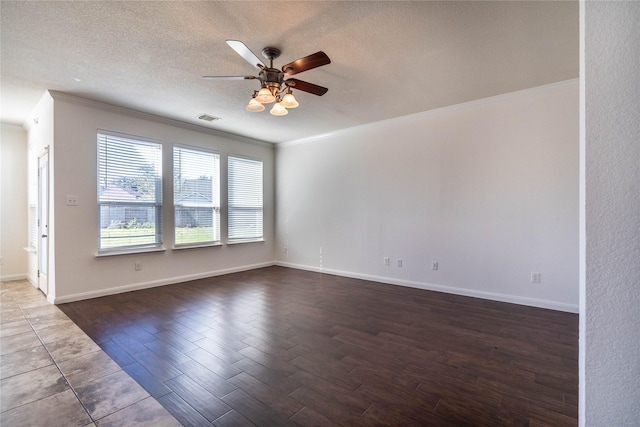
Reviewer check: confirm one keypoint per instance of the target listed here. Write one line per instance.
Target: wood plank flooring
(284, 347)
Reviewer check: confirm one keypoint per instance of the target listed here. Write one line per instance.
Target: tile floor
(52, 374)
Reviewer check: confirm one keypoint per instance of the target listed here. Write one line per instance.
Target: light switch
(72, 201)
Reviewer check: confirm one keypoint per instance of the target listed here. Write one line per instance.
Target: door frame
(43, 221)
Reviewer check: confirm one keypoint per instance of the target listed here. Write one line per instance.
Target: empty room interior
(320, 213)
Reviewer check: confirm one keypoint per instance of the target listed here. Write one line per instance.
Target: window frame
(230, 207)
(156, 204)
(216, 210)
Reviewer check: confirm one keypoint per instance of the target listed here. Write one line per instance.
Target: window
(245, 199)
(196, 196)
(129, 193)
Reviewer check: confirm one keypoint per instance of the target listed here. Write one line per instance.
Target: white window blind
(33, 227)
(129, 192)
(196, 196)
(245, 199)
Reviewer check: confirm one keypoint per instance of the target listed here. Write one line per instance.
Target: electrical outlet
(286, 251)
(434, 265)
(387, 261)
(137, 266)
(535, 277)
(399, 263)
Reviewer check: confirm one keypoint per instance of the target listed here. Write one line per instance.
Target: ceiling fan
(274, 86)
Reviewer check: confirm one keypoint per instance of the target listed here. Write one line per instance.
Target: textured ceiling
(389, 59)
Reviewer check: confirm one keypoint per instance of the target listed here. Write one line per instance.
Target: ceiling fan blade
(306, 86)
(242, 50)
(229, 77)
(315, 60)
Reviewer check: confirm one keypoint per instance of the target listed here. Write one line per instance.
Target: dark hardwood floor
(277, 346)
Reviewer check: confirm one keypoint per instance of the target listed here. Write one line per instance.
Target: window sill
(196, 246)
(239, 241)
(129, 251)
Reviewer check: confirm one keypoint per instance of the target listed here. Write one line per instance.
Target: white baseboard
(11, 277)
(513, 299)
(532, 302)
(155, 283)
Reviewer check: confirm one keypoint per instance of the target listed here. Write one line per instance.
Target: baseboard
(155, 283)
(513, 299)
(11, 277)
(532, 302)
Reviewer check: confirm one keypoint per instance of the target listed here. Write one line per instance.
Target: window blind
(196, 196)
(245, 199)
(33, 226)
(129, 192)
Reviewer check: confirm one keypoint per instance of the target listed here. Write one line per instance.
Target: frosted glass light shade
(265, 96)
(254, 106)
(279, 110)
(289, 101)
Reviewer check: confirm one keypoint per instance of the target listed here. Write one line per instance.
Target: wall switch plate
(535, 277)
(71, 200)
(434, 265)
(137, 266)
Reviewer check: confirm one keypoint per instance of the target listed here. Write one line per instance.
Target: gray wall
(610, 285)
(488, 189)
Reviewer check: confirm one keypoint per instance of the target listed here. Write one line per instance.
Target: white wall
(610, 288)
(39, 127)
(78, 272)
(488, 189)
(13, 203)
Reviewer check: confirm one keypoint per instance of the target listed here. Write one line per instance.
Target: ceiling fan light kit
(274, 87)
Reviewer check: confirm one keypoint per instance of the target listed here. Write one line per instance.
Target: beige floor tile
(7, 302)
(88, 367)
(59, 332)
(10, 315)
(48, 320)
(60, 409)
(31, 300)
(24, 361)
(72, 347)
(18, 286)
(42, 310)
(31, 386)
(147, 412)
(13, 328)
(19, 342)
(109, 394)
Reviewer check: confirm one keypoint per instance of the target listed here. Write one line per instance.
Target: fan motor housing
(271, 77)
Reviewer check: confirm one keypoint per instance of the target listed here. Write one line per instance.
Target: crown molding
(423, 115)
(64, 96)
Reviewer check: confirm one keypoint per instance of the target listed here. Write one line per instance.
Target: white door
(43, 222)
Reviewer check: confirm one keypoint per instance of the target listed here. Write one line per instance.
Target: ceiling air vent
(208, 118)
